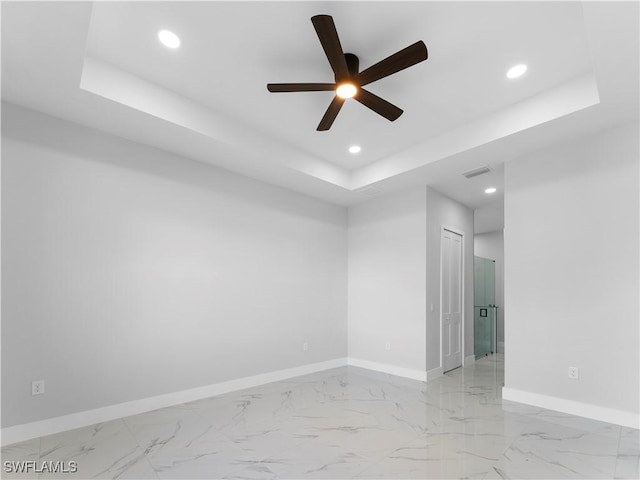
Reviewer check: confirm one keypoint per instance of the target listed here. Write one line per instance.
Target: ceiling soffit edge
(102, 79)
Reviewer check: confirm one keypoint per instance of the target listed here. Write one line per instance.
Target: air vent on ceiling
(475, 172)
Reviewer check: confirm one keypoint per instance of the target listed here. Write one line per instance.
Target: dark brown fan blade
(331, 114)
(377, 104)
(328, 35)
(300, 87)
(405, 58)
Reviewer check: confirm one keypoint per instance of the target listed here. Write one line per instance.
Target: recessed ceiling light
(516, 71)
(346, 90)
(490, 190)
(354, 149)
(168, 39)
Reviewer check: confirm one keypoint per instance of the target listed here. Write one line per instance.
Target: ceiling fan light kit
(346, 90)
(348, 79)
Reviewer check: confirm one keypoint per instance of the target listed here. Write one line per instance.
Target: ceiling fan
(349, 81)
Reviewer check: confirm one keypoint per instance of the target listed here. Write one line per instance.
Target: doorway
(485, 331)
(451, 288)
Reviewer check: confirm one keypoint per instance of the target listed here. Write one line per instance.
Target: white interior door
(451, 302)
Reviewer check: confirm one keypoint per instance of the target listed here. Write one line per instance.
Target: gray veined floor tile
(573, 421)
(180, 445)
(432, 458)
(106, 450)
(315, 458)
(262, 440)
(258, 471)
(366, 442)
(348, 423)
(549, 450)
(165, 429)
(628, 460)
(505, 425)
(20, 452)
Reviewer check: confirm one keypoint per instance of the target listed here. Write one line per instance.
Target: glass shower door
(484, 308)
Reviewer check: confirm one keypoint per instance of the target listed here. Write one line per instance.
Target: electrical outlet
(37, 387)
(387, 346)
(305, 346)
(574, 373)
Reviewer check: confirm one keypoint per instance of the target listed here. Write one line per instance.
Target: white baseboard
(386, 368)
(19, 433)
(595, 412)
(470, 360)
(434, 373)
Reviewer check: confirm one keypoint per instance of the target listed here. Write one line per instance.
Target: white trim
(500, 347)
(391, 369)
(469, 360)
(595, 412)
(440, 299)
(434, 373)
(462, 290)
(19, 433)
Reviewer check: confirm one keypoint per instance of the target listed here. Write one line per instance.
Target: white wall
(129, 272)
(387, 258)
(571, 275)
(489, 218)
(445, 212)
(394, 277)
(491, 245)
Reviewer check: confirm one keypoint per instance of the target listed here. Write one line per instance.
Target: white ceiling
(101, 65)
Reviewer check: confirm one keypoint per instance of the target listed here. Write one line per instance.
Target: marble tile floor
(347, 423)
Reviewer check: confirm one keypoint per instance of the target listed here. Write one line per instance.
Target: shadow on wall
(87, 143)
